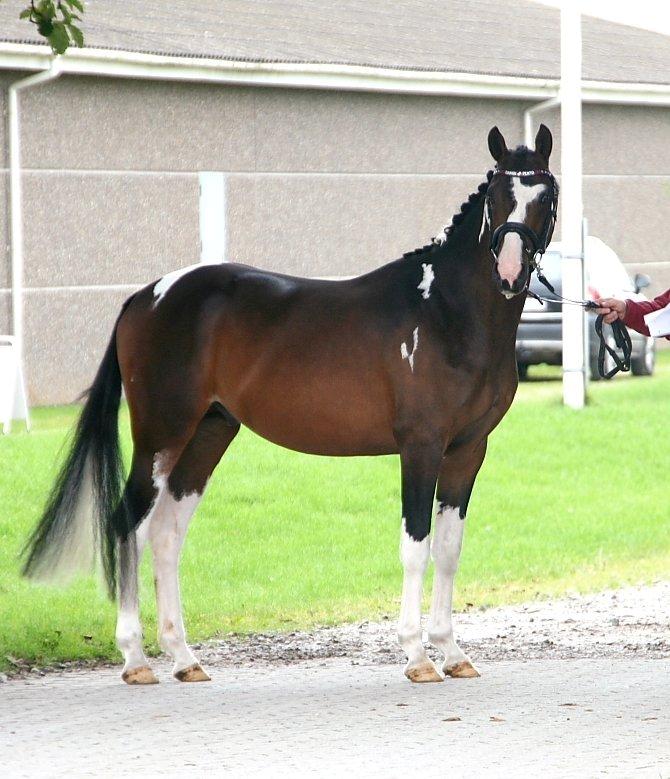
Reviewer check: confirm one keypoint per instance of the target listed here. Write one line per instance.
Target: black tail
(86, 513)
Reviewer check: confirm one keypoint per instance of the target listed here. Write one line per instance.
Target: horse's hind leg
(455, 482)
(145, 494)
(185, 486)
(140, 495)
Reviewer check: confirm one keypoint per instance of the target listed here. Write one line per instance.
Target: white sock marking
(128, 625)
(405, 353)
(446, 551)
(427, 280)
(168, 530)
(414, 556)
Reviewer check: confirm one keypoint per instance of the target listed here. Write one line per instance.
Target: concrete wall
(318, 183)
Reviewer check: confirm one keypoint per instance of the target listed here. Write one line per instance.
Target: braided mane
(456, 220)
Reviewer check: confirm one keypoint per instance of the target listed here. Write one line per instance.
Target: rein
(536, 245)
(619, 331)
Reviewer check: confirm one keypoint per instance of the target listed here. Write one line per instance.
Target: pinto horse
(415, 358)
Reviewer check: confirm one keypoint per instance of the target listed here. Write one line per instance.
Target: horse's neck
(464, 276)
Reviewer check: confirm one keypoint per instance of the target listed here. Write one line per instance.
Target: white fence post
(13, 400)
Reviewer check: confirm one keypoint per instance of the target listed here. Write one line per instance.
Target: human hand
(611, 309)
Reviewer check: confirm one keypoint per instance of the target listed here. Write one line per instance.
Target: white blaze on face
(510, 255)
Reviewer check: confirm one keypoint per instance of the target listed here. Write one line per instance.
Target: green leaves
(58, 37)
(76, 34)
(55, 21)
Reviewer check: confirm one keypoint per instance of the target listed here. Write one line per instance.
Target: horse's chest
(481, 410)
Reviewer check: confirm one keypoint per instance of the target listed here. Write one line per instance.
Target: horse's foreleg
(454, 486)
(419, 464)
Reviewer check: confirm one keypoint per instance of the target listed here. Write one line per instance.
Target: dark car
(539, 338)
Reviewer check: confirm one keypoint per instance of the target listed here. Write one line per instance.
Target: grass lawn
(565, 501)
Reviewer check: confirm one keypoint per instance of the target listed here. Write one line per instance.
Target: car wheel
(643, 364)
(522, 368)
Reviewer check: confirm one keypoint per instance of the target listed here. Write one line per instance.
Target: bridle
(536, 245)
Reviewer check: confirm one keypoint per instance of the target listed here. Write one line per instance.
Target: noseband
(535, 245)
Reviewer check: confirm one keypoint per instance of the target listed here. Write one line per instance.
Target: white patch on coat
(441, 237)
(485, 222)
(427, 280)
(159, 471)
(446, 551)
(161, 287)
(414, 556)
(405, 353)
(510, 256)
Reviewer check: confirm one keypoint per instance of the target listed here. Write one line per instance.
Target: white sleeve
(658, 322)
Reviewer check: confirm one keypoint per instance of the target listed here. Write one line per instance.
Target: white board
(13, 400)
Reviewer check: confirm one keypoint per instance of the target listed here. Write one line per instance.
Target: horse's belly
(317, 422)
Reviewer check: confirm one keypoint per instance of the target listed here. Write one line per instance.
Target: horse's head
(520, 209)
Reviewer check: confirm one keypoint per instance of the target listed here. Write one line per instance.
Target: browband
(519, 173)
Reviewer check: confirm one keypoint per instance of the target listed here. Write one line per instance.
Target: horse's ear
(497, 145)
(544, 142)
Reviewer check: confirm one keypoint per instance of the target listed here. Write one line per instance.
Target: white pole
(574, 372)
(213, 232)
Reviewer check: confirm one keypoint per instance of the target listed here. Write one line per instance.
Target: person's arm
(637, 310)
(632, 312)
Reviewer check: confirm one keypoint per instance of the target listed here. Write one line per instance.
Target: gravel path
(631, 622)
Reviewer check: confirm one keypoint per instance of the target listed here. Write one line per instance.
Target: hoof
(420, 674)
(141, 675)
(193, 673)
(462, 670)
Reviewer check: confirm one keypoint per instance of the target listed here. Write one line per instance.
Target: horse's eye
(544, 198)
